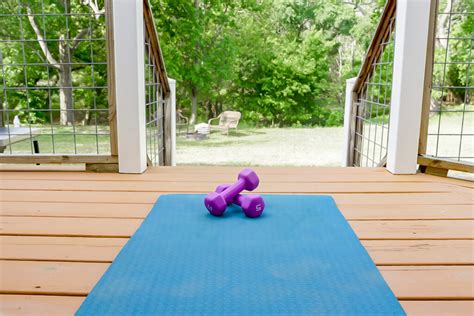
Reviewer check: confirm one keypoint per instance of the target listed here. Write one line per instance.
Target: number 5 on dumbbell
(252, 204)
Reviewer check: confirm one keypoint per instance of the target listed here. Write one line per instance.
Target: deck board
(125, 227)
(119, 210)
(417, 228)
(91, 249)
(41, 305)
(409, 198)
(78, 278)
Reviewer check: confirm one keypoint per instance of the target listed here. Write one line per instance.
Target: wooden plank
(64, 209)
(406, 212)
(432, 282)
(111, 93)
(62, 159)
(208, 186)
(39, 305)
(74, 278)
(284, 175)
(383, 252)
(438, 308)
(428, 78)
(119, 210)
(13, 168)
(60, 248)
(53, 278)
(157, 55)
(373, 53)
(64, 226)
(123, 228)
(420, 230)
(21, 305)
(102, 167)
(264, 178)
(417, 252)
(150, 197)
(433, 162)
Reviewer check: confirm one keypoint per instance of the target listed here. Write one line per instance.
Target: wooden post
(129, 65)
(425, 111)
(172, 135)
(111, 77)
(346, 151)
(411, 40)
(169, 120)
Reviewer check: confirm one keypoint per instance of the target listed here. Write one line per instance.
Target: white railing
(410, 81)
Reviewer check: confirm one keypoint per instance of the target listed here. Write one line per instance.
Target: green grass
(62, 140)
(265, 147)
(310, 146)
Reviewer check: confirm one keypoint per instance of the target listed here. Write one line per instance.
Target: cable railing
(371, 97)
(156, 91)
(54, 83)
(58, 97)
(447, 129)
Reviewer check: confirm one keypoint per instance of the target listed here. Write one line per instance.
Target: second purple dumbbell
(252, 204)
(216, 203)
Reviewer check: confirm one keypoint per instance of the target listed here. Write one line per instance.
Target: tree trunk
(194, 106)
(65, 83)
(443, 24)
(196, 62)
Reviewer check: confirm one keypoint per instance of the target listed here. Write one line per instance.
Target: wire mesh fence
(154, 107)
(372, 108)
(451, 115)
(53, 78)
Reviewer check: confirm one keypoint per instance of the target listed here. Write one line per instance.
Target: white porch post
(172, 103)
(347, 122)
(130, 85)
(411, 39)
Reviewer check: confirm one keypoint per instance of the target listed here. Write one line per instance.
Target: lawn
(81, 140)
(312, 146)
(265, 147)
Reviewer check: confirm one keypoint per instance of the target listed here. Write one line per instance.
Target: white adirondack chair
(227, 120)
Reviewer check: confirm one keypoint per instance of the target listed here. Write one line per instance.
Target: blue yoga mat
(300, 257)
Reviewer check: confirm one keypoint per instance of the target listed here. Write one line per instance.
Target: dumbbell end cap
(251, 179)
(215, 204)
(253, 205)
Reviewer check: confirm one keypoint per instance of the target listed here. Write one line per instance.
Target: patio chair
(227, 120)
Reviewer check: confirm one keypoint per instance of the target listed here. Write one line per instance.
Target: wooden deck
(61, 230)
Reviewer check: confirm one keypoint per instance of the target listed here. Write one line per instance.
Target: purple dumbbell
(252, 204)
(216, 203)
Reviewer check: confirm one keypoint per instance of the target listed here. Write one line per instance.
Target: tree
(59, 54)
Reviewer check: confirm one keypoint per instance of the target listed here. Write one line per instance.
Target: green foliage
(40, 75)
(279, 62)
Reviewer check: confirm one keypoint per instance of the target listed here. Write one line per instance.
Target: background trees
(279, 62)
(64, 52)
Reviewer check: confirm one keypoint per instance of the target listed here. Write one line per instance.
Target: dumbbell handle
(233, 190)
(236, 200)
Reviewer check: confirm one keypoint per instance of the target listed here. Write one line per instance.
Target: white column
(347, 122)
(130, 85)
(411, 39)
(172, 97)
